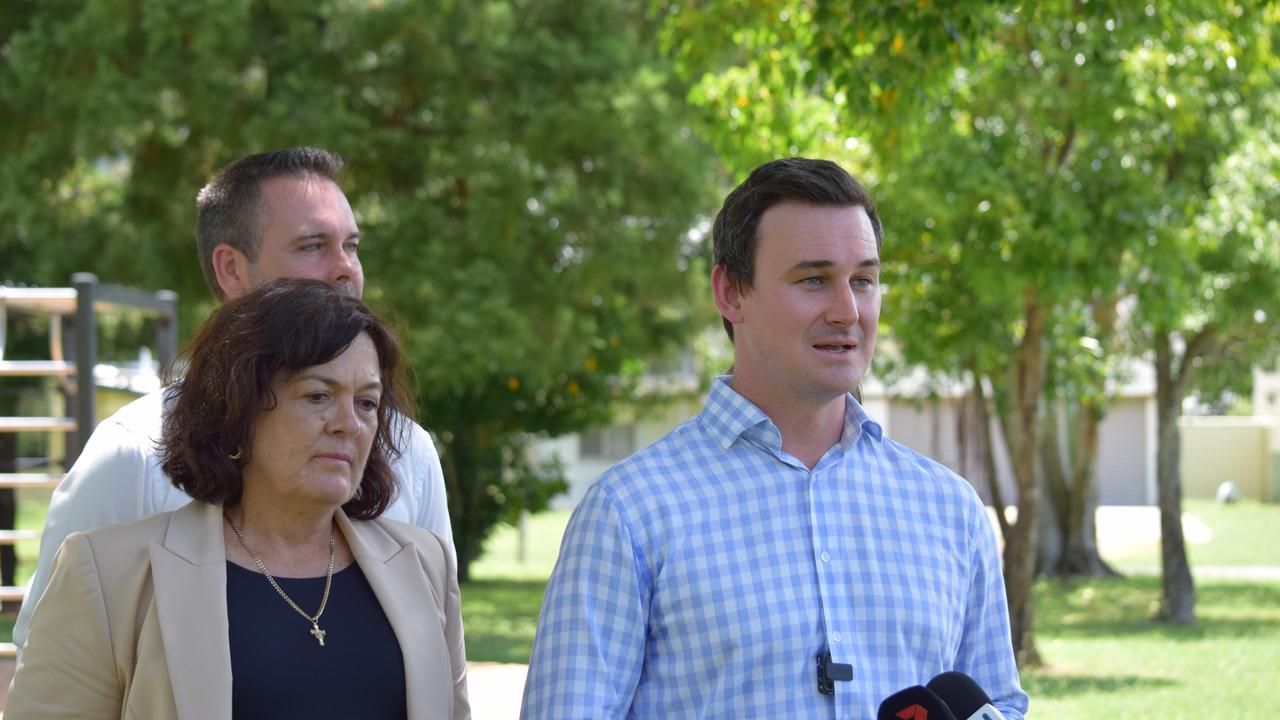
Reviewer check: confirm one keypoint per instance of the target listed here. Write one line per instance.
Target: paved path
(495, 690)
(1252, 573)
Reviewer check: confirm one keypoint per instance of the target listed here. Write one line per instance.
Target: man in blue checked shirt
(707, 574)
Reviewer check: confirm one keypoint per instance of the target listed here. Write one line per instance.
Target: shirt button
(846, 716)
(826, 556)
(835, 636)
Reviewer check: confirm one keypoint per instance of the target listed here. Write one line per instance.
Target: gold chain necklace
(328, 582)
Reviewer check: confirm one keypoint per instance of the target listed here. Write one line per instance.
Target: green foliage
(523, 174)
(787, 76)
(1052, 160)
(1062, 146)
(1229, 268)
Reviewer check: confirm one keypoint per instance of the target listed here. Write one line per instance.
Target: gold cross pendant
(315, 630)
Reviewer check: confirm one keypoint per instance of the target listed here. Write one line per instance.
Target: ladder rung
(10, 537)
(61, 301)
(36, 368)
(12, 593)
(36, 424)
(37, 480)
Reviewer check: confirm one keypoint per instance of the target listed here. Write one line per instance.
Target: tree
(975, 183)
(1082, 379)
(1218, 290)
(522, 172)
(1017, 148)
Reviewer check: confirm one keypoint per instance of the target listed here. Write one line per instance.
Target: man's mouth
(834, 348)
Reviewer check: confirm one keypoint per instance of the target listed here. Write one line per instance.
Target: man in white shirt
(265, 216)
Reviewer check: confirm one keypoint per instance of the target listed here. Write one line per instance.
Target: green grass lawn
(500, 604)
(502, 557)
(1104, 656)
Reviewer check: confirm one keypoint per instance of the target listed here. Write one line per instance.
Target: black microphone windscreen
(961, 693)
(914, 703)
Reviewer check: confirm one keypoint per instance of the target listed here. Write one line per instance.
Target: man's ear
(231, 269)
(728, 294)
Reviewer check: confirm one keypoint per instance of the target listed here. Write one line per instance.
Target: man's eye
(317, 397)
(811, 281)
(352, 247)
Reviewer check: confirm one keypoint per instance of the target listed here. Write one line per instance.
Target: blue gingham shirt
(703, 576)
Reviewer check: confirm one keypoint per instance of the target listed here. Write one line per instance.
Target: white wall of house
(944, 430)
(587, 455)
(1236, 449)
(1244, 450)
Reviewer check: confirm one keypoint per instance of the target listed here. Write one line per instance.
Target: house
(939, 422)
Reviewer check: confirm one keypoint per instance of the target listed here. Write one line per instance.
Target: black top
(280, 671)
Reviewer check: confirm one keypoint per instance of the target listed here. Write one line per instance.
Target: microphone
(964, 696)
(914, 703)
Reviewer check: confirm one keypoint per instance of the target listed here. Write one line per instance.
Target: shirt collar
(729, 416)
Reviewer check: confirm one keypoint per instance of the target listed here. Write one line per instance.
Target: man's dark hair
(735, 233)
(229, 209)
(285, 326)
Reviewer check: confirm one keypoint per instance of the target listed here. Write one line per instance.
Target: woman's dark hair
(283, 327)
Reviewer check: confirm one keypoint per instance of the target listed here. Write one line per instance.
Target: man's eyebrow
(820, 264)
(320, 234)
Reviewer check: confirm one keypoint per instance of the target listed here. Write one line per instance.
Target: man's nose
(843, 308)
(344, 269)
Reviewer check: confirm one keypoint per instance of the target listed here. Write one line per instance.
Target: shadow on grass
(1047, 686)
(500, 617)
(1127, 607)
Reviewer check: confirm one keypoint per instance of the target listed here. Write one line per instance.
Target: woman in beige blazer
(278, 592)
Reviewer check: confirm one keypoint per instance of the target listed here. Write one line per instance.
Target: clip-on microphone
(829, 672)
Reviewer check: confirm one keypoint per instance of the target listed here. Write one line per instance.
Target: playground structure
(73, 321)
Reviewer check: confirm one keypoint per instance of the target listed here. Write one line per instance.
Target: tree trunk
(1178, 598)
(465, 459)
(987, 448)
(1054, 488)
(1077, 506)
(1080, 539)
(1020, 551)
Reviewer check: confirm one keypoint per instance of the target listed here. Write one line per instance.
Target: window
(611, 443)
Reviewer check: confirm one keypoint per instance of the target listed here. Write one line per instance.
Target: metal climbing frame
(81, 304)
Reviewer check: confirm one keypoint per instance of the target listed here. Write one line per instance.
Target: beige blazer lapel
(407, 596)
(190, 579)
